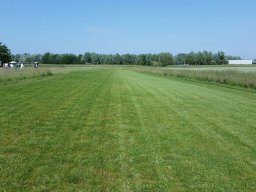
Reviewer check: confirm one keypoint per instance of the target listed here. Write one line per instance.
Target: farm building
(240, 62)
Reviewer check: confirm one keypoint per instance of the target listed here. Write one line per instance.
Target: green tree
(117, 59)
(208, 58)
(180, 59)
(165, 59)
(141, 59)
(80, 59)
(230, 57)
(221, 58)
(95, 58)
(68, 58)
(191, 58)
(46, 58)
(128, 59)
(54, 59)
(87, 58)
(5, 54)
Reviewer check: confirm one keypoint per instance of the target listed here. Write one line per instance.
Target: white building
(240, 62)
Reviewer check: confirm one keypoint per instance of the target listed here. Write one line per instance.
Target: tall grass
(7, 75)
(16, 74)
(230, 77)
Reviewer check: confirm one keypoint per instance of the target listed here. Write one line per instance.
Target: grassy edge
(25, 77)
(201, 81)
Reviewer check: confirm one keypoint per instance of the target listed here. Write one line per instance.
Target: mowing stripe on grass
(121, 130)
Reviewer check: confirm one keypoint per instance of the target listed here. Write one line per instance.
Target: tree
(80, 59)
(141, 59)
(117, 59)
(180, 59)
(191, 58)
(165, 59)
(5, 54)
(162, 59)
(95, 58)
(208, 58)
(17, 57)
(204, 58)
(46, 58)
(221, 58)
(54, 59)
(128, 59)
(233, 57)
(87, 58)
(68, 58)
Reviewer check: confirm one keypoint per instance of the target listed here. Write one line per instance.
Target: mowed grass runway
(121, 130)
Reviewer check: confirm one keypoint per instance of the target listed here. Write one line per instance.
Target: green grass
(237, 76)
(121, 130)
(15, 75)
(243, 68)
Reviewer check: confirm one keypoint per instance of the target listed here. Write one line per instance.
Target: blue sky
(129, 26)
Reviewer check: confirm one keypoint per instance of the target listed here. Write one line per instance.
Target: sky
(129, 26)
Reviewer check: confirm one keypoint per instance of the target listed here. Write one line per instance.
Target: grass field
(242, 68)
(16, 74)
(120, 130)
(238, 76)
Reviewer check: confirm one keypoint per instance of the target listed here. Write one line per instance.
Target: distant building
(254, 61)
(240, 62)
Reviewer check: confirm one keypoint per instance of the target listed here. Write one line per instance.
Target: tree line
(161, 59)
